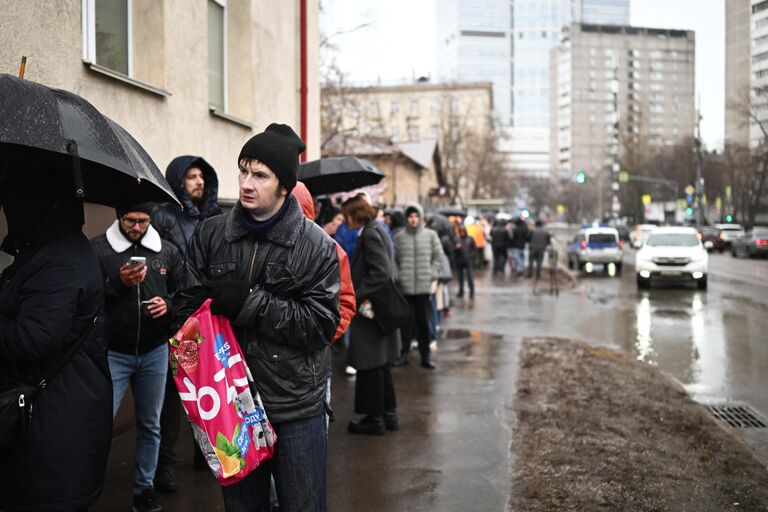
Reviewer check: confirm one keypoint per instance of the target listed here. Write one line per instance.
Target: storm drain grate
(737, 416)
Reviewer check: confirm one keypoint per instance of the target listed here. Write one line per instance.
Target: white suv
(730, 232)
(674, 254)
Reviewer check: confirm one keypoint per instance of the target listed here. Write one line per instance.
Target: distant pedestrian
(464, 249)
(49, 297)
(499, 244)
(138, 301)
(419, 265)
(370, 351)
(196, 185)
(540, 240)
(520, 237)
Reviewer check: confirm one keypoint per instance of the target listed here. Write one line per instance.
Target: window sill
(229, 117)
(125, 79)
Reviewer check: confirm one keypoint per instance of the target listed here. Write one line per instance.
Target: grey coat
(372, 266)
(419, 259)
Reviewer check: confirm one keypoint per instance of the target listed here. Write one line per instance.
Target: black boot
(391, 421)
(165, 480)
(426, 362)
(401, 361)
(370, 425)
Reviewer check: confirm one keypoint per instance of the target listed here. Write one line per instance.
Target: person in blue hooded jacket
(196, 185)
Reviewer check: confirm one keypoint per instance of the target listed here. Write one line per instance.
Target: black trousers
(374, 391)
(421, 305)
(535, 256)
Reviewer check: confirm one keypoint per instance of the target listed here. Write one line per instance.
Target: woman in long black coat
(49, 296)
(370, 351)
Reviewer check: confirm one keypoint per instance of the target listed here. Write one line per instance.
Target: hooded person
(49, 297)
(196, 185)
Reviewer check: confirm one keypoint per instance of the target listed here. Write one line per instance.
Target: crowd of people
(292, 278)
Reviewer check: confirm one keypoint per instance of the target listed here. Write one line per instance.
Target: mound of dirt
(597, 430)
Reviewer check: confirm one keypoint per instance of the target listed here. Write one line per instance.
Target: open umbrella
(457, 211)
(338, 174)
(109, 166)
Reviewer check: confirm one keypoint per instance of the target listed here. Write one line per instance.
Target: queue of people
(290, 285)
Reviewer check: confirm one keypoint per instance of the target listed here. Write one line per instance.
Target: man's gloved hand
(229, 297)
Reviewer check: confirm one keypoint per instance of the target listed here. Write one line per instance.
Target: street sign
(646, 199)
(689, 190)
(718, 203)
(728, 191)
(560, 209)
(623, 177)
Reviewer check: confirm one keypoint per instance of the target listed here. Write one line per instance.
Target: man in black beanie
(275, 275)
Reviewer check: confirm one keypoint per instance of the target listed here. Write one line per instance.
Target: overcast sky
(399, 43)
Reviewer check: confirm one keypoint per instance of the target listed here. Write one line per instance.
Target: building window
(413, 133)
(394, 107)
(217, 58)
(435, 108)
(414, 108)
(112, 41)
(435, 131)
(394, 132)
(455, 106)
(373, 110)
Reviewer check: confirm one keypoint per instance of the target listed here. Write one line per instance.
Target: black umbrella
(457, 211)
(109, 166)
(338, 174)
(440, 223)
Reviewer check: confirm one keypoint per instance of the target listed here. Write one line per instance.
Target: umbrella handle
(76, 171)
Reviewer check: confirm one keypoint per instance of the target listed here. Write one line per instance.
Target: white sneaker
(350, 371)
(433, 346)
(414, 344)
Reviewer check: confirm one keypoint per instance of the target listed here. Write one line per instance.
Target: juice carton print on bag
(212, 377)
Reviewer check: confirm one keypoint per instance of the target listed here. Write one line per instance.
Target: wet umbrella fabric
(71, 134)
(452, 210)
(338, 174)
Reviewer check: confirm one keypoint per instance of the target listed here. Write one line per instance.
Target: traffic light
(689, 211)
(581, 177)
(729, 218)
(525, 214)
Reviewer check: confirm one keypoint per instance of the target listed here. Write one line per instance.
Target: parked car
(730, 232)
(672, 254)
(712, 238)
(593, 247)
(754, 243)
(640, 234)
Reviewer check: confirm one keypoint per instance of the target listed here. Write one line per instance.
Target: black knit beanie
(279, 147)
(141, 207)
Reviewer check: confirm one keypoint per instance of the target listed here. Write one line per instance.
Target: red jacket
(347, 304)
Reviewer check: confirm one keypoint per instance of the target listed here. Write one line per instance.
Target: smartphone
(137, 260)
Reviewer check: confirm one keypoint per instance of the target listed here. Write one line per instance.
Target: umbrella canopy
(440, 223)
(457, 211)
(338, 174)
(109, 166)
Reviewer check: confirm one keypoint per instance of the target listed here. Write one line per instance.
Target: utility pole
(699, 185)
(615, 166)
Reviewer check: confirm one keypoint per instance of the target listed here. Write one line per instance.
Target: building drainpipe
(303, 90)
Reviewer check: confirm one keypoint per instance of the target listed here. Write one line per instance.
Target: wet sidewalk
(451, 453)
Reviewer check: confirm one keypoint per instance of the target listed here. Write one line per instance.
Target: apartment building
(617, 85)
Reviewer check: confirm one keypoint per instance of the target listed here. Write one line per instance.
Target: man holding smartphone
(140, 271)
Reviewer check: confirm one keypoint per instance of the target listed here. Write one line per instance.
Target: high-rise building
(746, 70)
(618, 85)
(508, 42)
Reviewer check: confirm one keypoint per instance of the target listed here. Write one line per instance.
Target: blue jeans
(146, 374)
(519, 257)
(298, 467)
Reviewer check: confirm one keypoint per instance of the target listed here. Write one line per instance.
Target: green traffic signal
(581, 177)
(729, 218)
(689, 211)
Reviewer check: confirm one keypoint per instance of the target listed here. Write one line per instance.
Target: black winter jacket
(47, 301)
(177, 225)
(291, 312)
(131, 330)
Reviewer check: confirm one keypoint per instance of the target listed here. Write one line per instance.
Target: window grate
(737, 416)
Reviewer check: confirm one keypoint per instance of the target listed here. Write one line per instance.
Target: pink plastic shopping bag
(211, 375)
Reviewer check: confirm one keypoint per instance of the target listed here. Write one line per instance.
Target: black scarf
(259, 229)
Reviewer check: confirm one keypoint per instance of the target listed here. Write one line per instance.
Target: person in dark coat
(499, 243)
(138, 302)
(520, 236)
(539, 241)
(370, 351)
(464, 251)
(196, 185)
(49, 297)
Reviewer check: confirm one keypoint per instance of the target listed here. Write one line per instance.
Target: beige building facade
(618, 85)
(182, 77)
